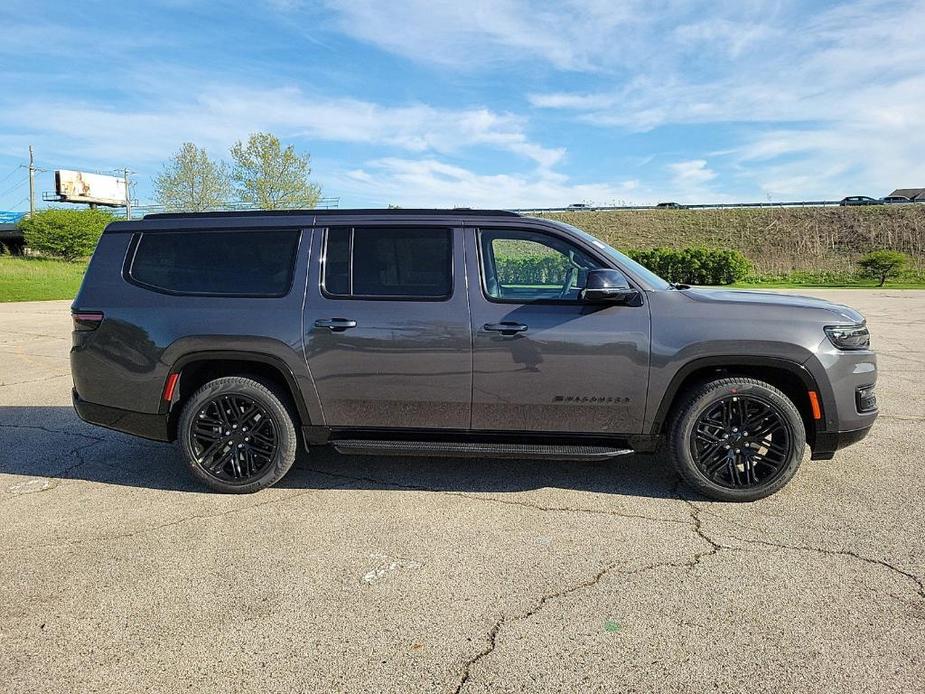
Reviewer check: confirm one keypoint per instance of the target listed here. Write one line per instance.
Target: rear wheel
(237, 435)
(737, 439)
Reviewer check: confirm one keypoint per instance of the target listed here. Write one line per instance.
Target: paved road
(385, 575)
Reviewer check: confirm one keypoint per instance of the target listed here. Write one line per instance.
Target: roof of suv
(398, 212)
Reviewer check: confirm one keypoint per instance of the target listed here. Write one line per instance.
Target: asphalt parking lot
(118, 573)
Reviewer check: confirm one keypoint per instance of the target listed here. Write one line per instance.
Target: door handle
(505, 328)
(335, 325)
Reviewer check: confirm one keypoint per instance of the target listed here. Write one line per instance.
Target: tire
(715, 453)
(253, 457)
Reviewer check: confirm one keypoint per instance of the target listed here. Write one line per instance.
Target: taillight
(86, 320)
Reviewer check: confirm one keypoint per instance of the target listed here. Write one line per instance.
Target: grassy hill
(776, 240)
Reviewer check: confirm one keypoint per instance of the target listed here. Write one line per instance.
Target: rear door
(387, 331)
(542, 360)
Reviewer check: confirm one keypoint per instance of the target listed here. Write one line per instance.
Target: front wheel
(237, 435)
(737, 439)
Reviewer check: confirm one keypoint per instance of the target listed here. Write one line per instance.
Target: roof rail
(456, 212)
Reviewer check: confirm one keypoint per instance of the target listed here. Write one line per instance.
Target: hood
(796, 301)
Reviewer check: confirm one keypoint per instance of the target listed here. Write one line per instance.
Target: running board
(476, 449)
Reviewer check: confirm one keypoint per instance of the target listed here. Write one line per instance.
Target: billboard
(79, 186)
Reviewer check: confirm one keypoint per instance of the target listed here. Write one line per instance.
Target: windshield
(624, 261)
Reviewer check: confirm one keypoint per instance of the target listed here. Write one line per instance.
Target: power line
(5, 178)
(13, 189)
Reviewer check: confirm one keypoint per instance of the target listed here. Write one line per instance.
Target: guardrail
(696, 206)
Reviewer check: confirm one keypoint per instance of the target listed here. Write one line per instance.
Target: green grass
(912, 278)
(39, 279)
(818, 285)
(773, 239)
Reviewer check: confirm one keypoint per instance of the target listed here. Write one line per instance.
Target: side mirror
(607, 286)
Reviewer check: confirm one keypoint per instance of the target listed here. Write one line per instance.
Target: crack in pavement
(35, 427)
(492, 644)
(698, 527)
(902, 418)
(695, 515)
(919, 584)
(34, 380)
(66, 471)
(170, 524)
(78, 453)
(689, 563)
(715, 547)
(49, 337)
(492, 499)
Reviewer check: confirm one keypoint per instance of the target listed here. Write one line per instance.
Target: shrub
(68, 234)
(686, 265)
(694, 265)
(531, 269)
(883, 264)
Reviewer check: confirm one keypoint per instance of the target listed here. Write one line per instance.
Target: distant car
(670, 206)
(579, 206)
(896, 200)
(853, 200)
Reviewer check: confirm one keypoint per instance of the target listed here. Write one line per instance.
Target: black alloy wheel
(238, 434)
(233, 438)
(736, 438)
(741, 441)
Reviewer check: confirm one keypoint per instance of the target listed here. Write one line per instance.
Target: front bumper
(147, 426)
(844, 379)
(827, 442)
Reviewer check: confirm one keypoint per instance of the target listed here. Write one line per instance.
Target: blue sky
(509, 103)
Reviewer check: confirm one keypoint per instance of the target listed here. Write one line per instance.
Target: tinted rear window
(216, 262)
(394, 263)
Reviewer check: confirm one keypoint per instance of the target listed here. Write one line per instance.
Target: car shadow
(52, 442)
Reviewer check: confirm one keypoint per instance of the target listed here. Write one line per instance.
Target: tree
(271, 177)
(883, 264)
(192, 182)
(68, 234)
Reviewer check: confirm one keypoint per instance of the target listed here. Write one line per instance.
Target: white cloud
(433, 183)
(220, 114)
(832, 101)
(572, 35)
(691, 173)
(575, 35)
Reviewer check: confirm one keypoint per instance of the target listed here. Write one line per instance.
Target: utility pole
(31, 182)
(128, 195)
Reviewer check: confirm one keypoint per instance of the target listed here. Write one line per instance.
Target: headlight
(849, 336)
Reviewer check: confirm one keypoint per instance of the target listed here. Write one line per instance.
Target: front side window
(523, 266)
(226, 263)
(388, 263)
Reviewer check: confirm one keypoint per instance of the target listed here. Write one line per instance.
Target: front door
(542, 360)
(387, 333)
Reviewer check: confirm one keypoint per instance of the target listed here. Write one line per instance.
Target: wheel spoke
(209, 453)
(717, 466)
(218, 464)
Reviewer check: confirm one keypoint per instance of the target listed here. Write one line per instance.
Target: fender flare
(733, 360)
(279, 364)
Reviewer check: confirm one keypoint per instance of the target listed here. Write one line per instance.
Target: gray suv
(451, 333)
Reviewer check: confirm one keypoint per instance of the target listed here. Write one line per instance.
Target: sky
(508, 103)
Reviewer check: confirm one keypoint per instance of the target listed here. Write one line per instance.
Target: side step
(476, 449)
